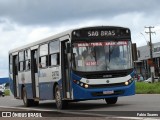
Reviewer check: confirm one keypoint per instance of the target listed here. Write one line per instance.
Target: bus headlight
(86, 86)
(126, 83)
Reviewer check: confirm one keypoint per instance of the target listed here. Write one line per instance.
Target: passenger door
(65, 69)
(15, 76)
(34, 73)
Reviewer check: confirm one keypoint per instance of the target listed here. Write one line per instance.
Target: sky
(26, 21)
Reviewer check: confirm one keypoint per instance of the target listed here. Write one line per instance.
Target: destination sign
(103, 33)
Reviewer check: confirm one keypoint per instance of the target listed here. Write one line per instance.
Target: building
(142, 65)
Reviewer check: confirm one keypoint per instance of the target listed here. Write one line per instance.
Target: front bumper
(80, 93)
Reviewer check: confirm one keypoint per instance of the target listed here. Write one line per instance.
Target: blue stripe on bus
(28, 88)
(46, 90)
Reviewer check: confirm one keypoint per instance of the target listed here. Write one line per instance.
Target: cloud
(14, 36)
(28, 12)
(23, 22)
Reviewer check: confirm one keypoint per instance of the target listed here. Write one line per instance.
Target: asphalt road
(139, 103)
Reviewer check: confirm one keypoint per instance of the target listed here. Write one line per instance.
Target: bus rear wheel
(111, 100)
(61, 104)
(28, 102)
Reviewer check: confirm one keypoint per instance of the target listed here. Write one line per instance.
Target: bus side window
(27, 59)
(21, 61)
(43, 59)
(54, 58)
(40, 65)
(10, 64)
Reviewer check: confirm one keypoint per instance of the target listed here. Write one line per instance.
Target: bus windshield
(102, 56)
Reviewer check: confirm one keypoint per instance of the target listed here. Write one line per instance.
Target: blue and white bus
(80, 64)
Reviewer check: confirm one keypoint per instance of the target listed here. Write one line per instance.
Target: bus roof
(56, 36)
(59, 35)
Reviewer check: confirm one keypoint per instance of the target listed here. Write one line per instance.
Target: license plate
(108, 92)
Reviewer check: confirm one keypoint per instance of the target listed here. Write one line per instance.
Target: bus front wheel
(111, 100)
(61, 104)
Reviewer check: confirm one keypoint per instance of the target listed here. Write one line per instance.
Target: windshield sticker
(91, 63)
(90, 44)
(116, 43)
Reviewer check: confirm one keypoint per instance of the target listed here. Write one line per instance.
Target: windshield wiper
(95, 56)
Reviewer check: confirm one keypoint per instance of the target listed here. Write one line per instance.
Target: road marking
(137, 118)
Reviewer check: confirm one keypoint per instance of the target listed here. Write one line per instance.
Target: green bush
(147, 88)
(7, 92)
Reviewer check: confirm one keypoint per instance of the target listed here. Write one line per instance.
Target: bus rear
(102, 66)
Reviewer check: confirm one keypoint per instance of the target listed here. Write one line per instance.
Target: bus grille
(107, 85)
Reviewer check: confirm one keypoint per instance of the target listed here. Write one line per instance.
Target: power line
(144, 37)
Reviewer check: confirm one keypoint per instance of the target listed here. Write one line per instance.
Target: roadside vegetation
(147, 88)
(7, 92)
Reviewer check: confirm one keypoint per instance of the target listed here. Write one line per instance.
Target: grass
(7, 92)
(147, 88)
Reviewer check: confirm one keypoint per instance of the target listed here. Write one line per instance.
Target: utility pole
(150, 38)
(151, 53)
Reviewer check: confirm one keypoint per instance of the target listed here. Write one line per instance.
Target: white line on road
(137, 118)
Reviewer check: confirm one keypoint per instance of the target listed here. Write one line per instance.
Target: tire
(27, 102)
(111, 100)
(61, 104)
